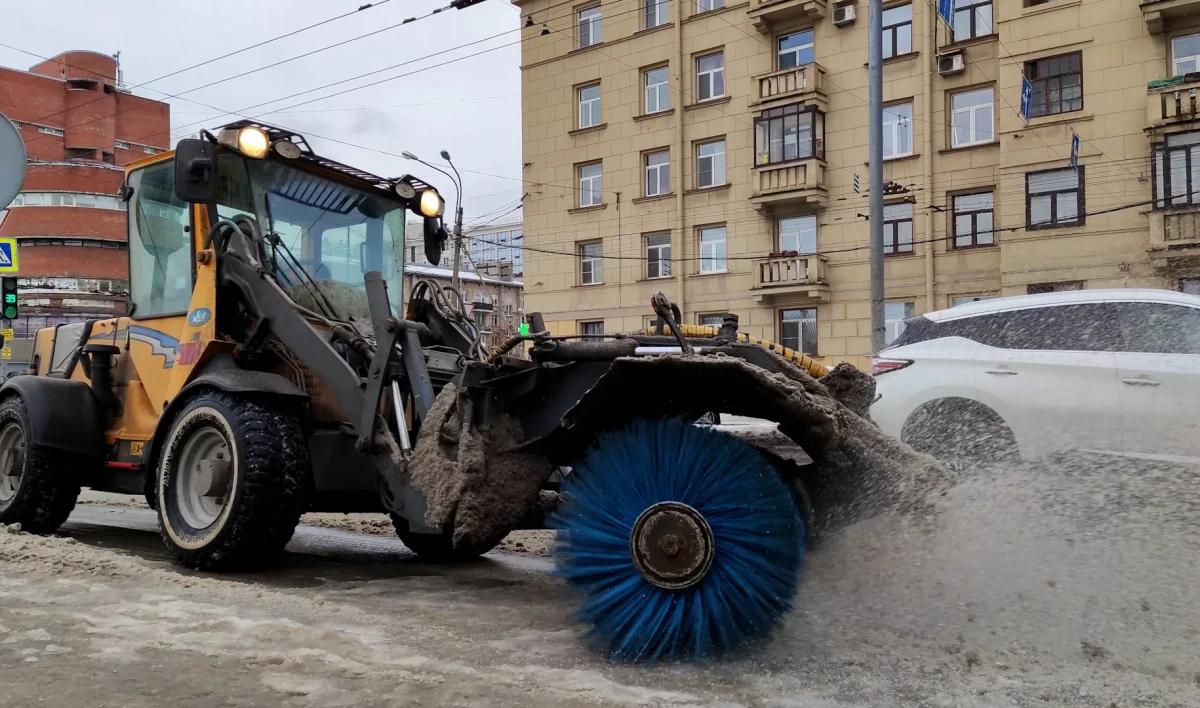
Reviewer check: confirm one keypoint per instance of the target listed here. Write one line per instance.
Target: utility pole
(875, 171)
(457, 244)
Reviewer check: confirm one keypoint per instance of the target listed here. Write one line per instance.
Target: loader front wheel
(38, 487)
(232, 481)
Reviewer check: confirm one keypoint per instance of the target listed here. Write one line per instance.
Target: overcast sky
(477, 116)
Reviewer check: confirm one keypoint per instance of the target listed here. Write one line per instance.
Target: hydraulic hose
(804, 361)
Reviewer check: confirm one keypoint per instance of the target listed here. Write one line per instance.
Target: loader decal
(160, 344)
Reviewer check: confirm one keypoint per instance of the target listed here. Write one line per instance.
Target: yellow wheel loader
(269, 365)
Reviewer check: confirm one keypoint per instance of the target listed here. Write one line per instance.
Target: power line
(371, 108)
(276, 38)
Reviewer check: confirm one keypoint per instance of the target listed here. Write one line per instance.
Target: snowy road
(1072, 588)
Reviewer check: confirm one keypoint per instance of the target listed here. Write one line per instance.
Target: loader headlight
(250, 141)
(432, 203)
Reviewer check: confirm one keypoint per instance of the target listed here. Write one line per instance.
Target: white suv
(1112, 371)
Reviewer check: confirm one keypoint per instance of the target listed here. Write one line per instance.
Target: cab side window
(1156, 328)
(160, 245)
(1080, 328)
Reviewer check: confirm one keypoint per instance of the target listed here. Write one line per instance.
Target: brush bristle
(758, 537)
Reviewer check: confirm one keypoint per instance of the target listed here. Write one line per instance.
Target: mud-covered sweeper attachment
(683, 540)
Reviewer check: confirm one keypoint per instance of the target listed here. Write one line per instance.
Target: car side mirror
(195, 170)
(435, 239)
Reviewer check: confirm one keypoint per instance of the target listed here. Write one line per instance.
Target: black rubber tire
(960, 431)
(439, 547)
(270, 485)
(49, 483)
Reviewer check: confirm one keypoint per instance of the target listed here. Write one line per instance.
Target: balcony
(800, 83)
(1172, 101)
(766, 15)
(1175, 240)
(790, 184)
(792, 275)
(1161, 14)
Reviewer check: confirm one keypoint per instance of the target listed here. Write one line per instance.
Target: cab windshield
(329, 233)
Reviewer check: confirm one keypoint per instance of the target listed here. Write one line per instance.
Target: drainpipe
(680, 265)
(928, 42)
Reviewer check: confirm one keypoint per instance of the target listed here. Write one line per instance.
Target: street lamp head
(409, 156)
(445, 156)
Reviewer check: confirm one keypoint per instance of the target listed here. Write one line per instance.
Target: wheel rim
(12, 460)
(202, 477)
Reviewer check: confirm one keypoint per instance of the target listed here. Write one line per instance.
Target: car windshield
(328, 232)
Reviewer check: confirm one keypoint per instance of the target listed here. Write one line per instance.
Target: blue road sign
(8, 255)
(1074, 150)
(1026, 98)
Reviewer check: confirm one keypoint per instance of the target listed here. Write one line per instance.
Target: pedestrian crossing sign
(8, 255)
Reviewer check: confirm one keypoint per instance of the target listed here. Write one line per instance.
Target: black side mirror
(195, 170)
(435, 239)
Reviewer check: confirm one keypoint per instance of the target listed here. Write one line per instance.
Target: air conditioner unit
(949, 64)
(843, 15)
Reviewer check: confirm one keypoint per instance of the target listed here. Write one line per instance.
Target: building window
(897, 228)
(1185, 54)
(656, 13)
(712, 249)
(972, 118)
(658, 173)
(589, 26)
(122, 144)
(714, 320)
(973, 220)
(592, 329)
(591, 180)
(657, 90)
(589, 106)
(45, 130)
(709, 5)
(795, 132)
(1054, 198)
(591, 266)
(897, 130)
(972, 18)
(897, 31)
(1057, 84)
(1177, 170)
(894, 314)
(710, 76)
(149, 150)
(658, 256)
(798, 234)
(798, 330)
(796, 49)
(710, 164)
(1063, 287)
(966, 299)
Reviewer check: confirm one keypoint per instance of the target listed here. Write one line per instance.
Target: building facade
(79, 125)
(489, 273)
(717, 151)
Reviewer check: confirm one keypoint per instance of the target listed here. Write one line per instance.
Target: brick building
(717, 150)
(80, 125)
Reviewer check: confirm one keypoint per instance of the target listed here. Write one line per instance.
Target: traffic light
(8, 287)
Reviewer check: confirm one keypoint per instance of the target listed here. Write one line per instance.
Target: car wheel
(960, 433)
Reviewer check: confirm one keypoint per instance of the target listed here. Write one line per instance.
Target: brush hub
(672, 545)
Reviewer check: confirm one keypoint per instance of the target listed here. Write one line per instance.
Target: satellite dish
(12, 161)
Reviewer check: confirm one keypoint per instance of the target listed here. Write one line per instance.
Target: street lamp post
(458, 212)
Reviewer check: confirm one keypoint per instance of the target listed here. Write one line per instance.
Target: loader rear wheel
(38, 486)
(232, 482)
(439, 547)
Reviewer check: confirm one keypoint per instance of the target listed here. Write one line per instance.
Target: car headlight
(432, 203)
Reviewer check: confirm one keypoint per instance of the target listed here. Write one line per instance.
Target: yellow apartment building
(717, 151)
